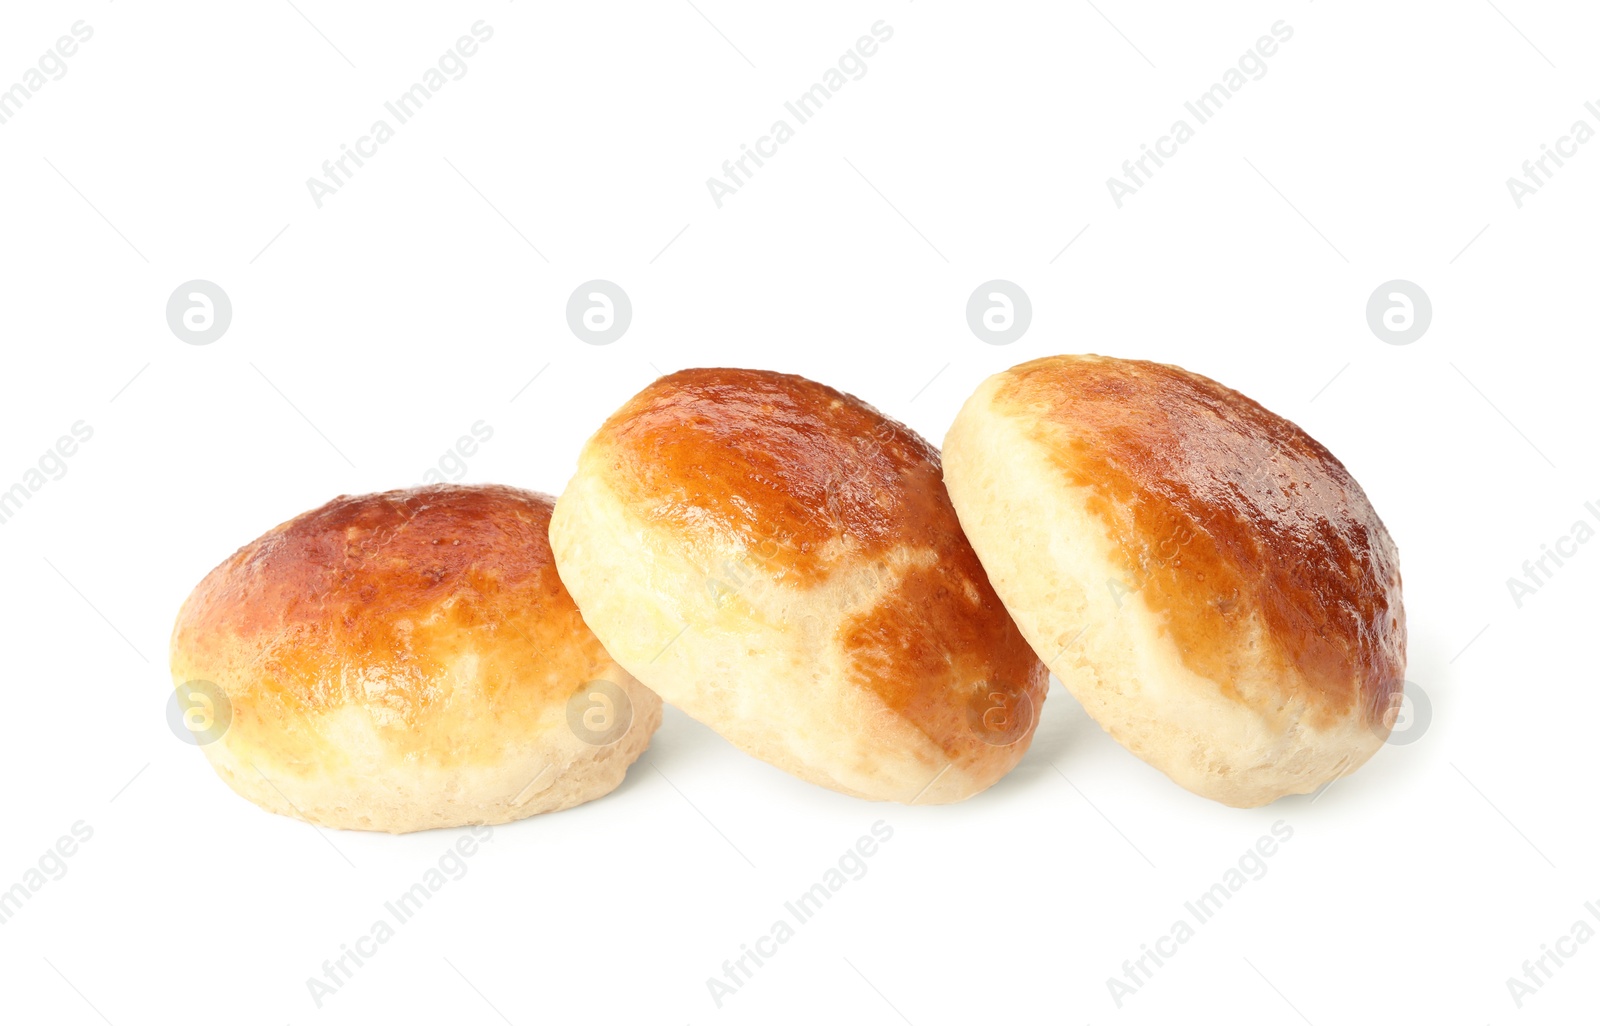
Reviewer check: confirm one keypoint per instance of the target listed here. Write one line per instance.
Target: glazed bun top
(757, 455)
(825, 491)
(1227, 512)
(381, 601)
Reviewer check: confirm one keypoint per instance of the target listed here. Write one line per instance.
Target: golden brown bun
(781, 561)
(1204, 576)
(404, 661)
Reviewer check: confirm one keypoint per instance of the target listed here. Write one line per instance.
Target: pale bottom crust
(1054, 565)
(375, 789)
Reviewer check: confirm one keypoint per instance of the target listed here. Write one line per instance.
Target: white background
(422, 297)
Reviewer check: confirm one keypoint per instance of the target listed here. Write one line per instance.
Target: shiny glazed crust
(782, 562)
(405, 660)
(1204, 576)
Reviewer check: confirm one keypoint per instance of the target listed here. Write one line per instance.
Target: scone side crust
(1223, 509)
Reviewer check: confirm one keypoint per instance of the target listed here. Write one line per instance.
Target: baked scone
(408, 660)
(1207, 579)
(781, 561)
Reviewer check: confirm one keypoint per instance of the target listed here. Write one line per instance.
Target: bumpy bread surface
(781, 561)
(404, 660)
(1207, 579)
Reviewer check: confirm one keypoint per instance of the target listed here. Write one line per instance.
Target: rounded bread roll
(408, 660)
(1207, 579)
(781, 561)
